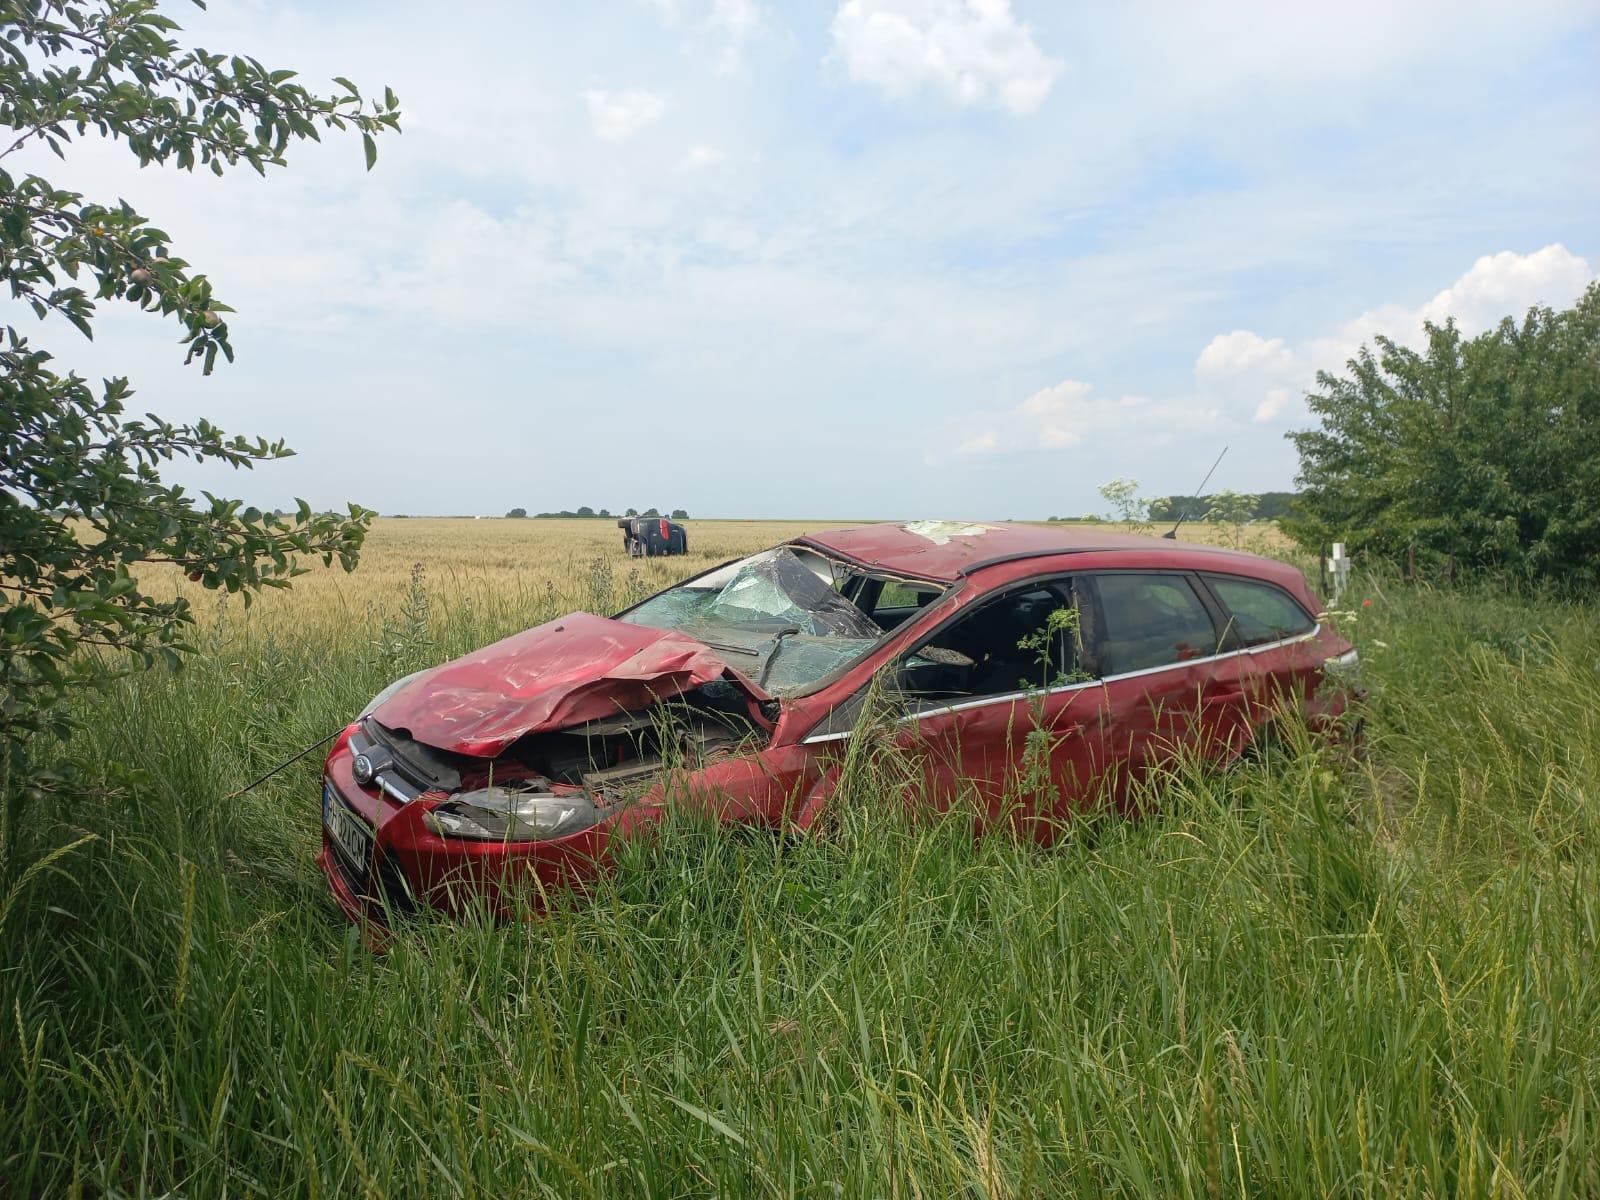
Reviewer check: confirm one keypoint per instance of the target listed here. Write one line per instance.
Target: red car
(742, 686)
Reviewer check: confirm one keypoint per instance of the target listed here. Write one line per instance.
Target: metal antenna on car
(1183, 514)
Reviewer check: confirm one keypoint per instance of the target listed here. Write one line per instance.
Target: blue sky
(869, 258)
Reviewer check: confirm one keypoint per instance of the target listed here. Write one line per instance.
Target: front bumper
(413, 868)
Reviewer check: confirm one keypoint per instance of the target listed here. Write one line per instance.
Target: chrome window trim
(1315, 629)
(817, 739)
(1013, 697)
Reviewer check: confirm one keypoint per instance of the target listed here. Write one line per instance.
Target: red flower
(1366, 603)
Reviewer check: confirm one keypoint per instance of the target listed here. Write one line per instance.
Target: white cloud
(728, 23)
(1066, 415)
(985, 442)
(1244, 377)
(698, 157)
(1246, 369)
(1241, 350)
(736, 17)
(733, 17)
(1059, 398)
(975, 51)
(615, 116)
(1275, 401)
(1496, 286)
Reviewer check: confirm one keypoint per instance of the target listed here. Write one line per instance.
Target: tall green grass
(1299, 978)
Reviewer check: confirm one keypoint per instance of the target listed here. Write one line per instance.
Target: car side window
(1149, 621)
(898, 594)
(1003, 645)
(1259, 612)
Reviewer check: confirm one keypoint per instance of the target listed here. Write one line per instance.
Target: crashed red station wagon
(742, 686)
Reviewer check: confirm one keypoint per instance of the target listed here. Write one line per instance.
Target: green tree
(1479, 454)
(82, 503)
(517, 512)
(679, 514)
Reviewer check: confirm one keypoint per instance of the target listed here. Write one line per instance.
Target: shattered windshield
(781, 622)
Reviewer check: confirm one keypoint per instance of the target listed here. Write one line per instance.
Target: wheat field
(505, 566)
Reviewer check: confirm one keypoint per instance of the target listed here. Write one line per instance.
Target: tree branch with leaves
(82, 501)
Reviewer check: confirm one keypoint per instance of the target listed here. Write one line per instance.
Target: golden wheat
(504, 566)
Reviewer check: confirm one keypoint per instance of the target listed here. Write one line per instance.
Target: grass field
(1305, 977)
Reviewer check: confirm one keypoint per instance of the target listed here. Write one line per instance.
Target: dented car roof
(944, 551)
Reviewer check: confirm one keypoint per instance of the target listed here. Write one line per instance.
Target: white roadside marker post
(1339, 570)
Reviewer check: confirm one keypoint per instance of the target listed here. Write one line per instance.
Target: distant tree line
(1268, 506)
(1131, 508)
(677, 514)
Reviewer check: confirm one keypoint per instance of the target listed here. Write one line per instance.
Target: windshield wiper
(772, 655)
(731, 649)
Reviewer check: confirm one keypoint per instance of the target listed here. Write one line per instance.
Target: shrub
(1479, 454)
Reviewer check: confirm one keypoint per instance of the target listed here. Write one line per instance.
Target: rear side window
(896, 594)
(1259, 612)
(1150, 621)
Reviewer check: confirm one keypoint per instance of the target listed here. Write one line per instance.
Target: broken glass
(787, 625)
(779, 588)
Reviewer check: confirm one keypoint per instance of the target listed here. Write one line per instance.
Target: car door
(1173, 682)
(996, 708)
(1275, 634)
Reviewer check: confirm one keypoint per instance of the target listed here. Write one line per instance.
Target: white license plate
(346, 830)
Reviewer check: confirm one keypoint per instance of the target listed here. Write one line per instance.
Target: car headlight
(385, 694)
(1344, 666)
(1344, 671)
(496, 814)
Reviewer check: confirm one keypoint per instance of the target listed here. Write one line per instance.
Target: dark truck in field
(646, 537)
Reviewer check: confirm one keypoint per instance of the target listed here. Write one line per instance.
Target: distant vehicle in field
(647, 537)
(527, 763)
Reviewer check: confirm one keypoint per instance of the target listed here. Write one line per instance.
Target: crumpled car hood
(575, 669)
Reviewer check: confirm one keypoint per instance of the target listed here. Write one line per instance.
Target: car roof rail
(1020, 556)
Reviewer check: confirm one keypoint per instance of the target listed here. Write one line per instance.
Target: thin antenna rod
(1183, 515)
